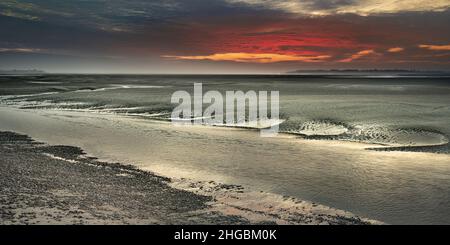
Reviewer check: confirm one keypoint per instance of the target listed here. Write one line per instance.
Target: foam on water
(118, 86)
(399, 136)
(315, 128)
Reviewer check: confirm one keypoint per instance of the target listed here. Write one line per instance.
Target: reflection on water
(395, 187)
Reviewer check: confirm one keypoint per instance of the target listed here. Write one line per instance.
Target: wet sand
(43, 184)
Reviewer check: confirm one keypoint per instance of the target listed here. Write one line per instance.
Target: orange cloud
(395, 50)
(251, 57)
(359, 55)
(435, 47)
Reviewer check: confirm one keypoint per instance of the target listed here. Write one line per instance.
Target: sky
(223, 36)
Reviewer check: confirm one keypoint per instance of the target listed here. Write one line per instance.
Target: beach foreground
(54, 185)
(42, 184)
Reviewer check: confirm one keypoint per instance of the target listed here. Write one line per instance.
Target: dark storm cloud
(115, 15)
(112, 15)
(122, 33)
(100, 24)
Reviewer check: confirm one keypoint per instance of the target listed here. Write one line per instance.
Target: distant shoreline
(329, 75)
(22, 72)
(319, 72)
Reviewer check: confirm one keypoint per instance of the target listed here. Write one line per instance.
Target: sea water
(377, 147)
